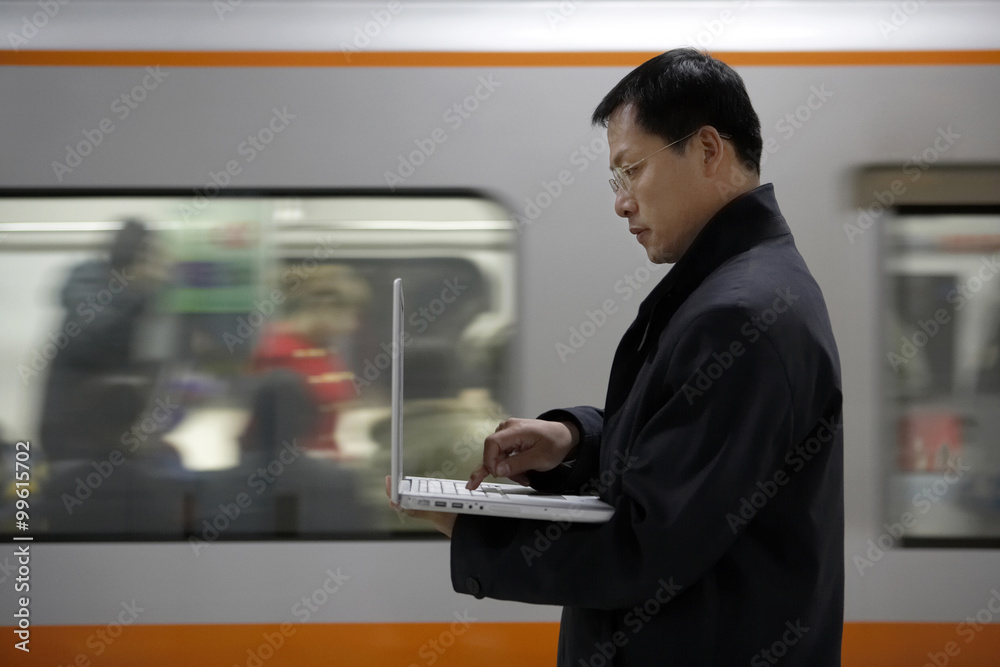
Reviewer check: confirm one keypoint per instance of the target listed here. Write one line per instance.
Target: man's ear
(711, 149)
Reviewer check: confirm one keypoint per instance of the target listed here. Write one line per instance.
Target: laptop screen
(397, 387)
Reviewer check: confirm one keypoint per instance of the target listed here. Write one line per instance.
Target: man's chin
(659, 256)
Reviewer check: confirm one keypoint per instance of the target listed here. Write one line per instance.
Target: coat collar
(738, 226)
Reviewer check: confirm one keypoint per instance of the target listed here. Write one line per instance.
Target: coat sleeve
(573, 476)
(713, 432)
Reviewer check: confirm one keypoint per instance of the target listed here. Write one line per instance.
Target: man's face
(668, 202)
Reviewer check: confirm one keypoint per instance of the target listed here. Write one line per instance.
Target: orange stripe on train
(455, 644)
(476, 59)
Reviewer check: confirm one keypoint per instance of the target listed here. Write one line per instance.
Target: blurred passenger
(283, 410)
(322, 306)
(105, 300)
(292, 494)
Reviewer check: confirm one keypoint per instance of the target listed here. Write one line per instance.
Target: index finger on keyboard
(477, 477)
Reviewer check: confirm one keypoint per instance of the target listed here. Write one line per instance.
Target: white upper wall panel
(570, 25)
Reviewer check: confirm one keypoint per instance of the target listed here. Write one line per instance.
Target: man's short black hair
(681, 90)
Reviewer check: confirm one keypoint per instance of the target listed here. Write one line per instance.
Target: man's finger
(518, 463)
(477, 477)
(502, 445)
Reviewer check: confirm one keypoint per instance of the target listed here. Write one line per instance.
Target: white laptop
(450, 495)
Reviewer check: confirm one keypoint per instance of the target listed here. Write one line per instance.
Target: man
(720, 442)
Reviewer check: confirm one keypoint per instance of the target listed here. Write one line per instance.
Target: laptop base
(509, 500)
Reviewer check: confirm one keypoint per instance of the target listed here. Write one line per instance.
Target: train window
(204, 369)
(941, 346)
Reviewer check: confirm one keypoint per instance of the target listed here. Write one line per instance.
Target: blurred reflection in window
(942, 340)
(320, 305)
(248, 395)
(95, 388)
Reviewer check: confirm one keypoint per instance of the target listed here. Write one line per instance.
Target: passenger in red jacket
(322, 304)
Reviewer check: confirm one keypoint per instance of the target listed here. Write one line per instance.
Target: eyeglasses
(623, 175)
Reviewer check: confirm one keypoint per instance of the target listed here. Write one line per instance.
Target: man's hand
(520, 445)
(442, 521)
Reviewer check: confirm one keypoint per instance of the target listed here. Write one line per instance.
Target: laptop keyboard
(450, 488)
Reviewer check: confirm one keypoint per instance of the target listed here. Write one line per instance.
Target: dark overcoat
(720, 446)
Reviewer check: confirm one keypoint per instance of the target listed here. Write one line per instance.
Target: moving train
(450, 143)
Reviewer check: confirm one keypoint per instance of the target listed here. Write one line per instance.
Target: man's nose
(624, 203)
